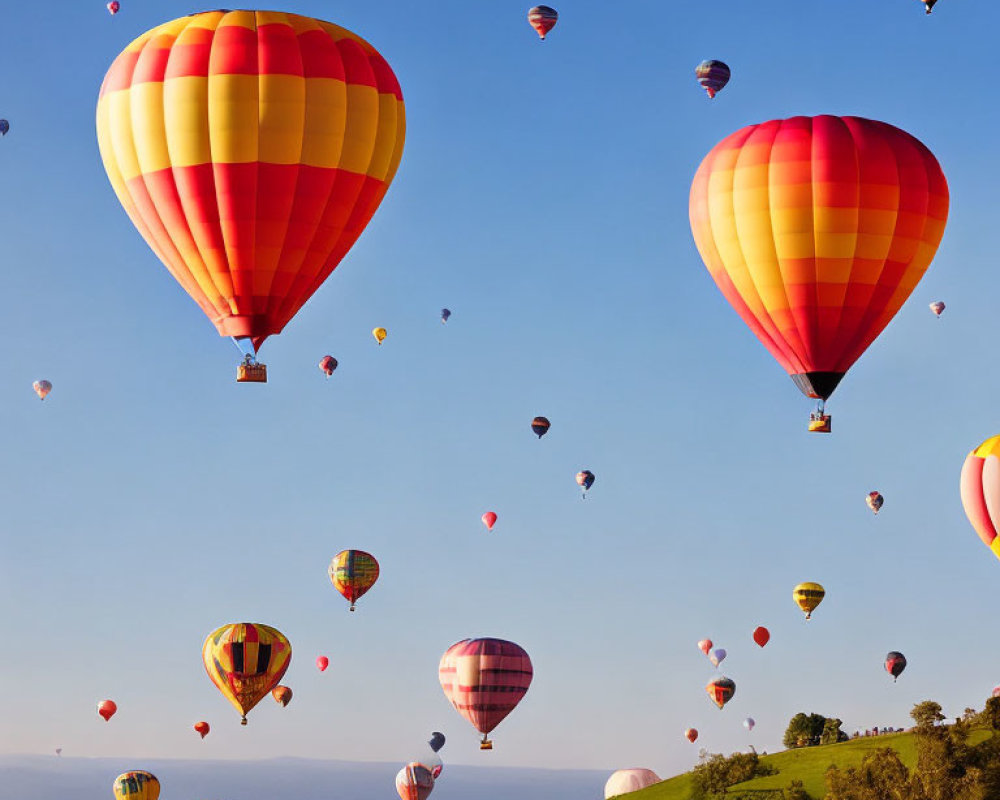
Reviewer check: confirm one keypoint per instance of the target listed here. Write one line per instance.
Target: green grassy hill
(807, 764)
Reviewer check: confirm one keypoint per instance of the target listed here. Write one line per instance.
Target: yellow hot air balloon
(136, 785)
(245, 661)
(379, 334)
(807, 596)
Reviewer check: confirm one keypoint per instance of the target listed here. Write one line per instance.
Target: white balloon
(717, 656)
(629, 780)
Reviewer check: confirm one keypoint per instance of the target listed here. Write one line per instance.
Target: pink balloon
(322, 662)
(705, 645)
(489, 520)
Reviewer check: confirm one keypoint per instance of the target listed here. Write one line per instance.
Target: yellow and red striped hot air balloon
(245, 661)
(352, 573)
(250, 149)
(816, 230)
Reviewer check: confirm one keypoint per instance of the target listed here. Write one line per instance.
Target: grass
(808, 764)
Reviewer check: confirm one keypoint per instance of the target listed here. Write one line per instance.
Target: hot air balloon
(937, 308)
(996, 691)
(245, 661)
(874, 501)
(721, 690)
(58, 751)
(328, 364)
(712, 75)
(203, 728)
(4, 127)
(816, 230)
(585, 479)
(748, 723)
(895, 663)
(929, 5)
(629, 780)
(250, 149)
(436, 741)
(691, 735)
(445, 313)
(807, 596)
(705, 645)
(322, 662)
(489, 520)
(282, 695)
(540, 426)
(107, 709)
(136, 785)
(761, 635)
(980, 488)
(113, 7)
(379, 334)
(485, 679)
(542, 19)
(42, 389)
(717, 656)
(353, 572)
(414, 782)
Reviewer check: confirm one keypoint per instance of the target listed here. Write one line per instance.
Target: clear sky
(542, 197)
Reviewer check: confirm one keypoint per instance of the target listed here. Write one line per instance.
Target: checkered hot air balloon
(245, 661)
(136, 785)
(352, 573)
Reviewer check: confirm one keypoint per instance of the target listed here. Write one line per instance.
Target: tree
(991, 714)
(880, 776)
(803, 731)
(927, 714)
(831, 732)
(796, 791)
(716, 773)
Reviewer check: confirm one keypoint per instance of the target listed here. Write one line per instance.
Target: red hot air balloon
(761, 635)
(282, 695)
(705, 645)
(202, 728)
(485, 679)
(322, 662)
(691, 734)
(489, 520)
(895, 663)
(107, 709)
(328, 364)
(113, 7)
(721, 690)
(543, 19)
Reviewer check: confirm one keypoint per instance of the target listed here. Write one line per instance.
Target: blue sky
(542, 197)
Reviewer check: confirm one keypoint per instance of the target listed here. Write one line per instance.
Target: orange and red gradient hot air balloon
(107, 709)
(542, 19)
(250, 149)
(202, 728)
(816, 230)
(282, 695)
(485, 679)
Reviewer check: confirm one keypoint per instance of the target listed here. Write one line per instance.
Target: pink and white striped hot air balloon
(629, 780)
(485, 679)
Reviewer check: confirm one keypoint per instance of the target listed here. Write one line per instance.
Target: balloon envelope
(4, 127)
(107, 709)
(113, 7)
(691, 734)
(721, 690)
(748, 723)
(980, 489)
(807, 596)
(705, 645)
(540, 425)
(489, 520)
(328, 364)
(937, 308)
(282, 695)
(629, 780)
(322, 662)
(542, 19)
(761, 635)
(42, 389)
(717, 656)
(352, 573)
(245, 660)
(585, 479)
(414, 782)
(436, 741)
(895, 663)
(379, 334)
(712, 75)
(203, 728)
(136, 785)
(874, 501)
(445, 313)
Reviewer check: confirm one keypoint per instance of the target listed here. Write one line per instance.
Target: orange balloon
(282, 695)
(202, 728)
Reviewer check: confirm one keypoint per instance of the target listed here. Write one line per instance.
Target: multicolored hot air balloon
(895, 663)
(761, 635)
(585, 480)
(542, 19)
(42, 389)
(489, 520)
(691, 734)
(4, 127)
(250, 149)
(874, 501)
(705, 645)
(328, 364)
(136, 785)
(540, 426)
(721, 690)
(379, 334)
(445, 314)
(202, 728)
(629, 780)
(322, 662)
(107, 709)
(807, 596)
(748, 723)
(414, 782)
(717, 656)
(816, 230)
(245, 661)
(282, 695)
(712, 75)
(484, 679)
(353, 572)
(937, 308)
(113, 7)
(980, 488)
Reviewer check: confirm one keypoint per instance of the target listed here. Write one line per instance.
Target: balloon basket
(820, 423)
(251, 373)
(486, 745)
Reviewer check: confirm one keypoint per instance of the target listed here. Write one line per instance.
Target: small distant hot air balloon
(895, 663)
(712, 75)
(4, 127)
(625, 781)
(929, 5)
(113, 7)
(245, 661)
(107, 709)
(379, 334)
(136, 785)
(874, 501)
(807, 596)
(445, 313)
(748, 723)
(322, 662)
(585, 479)
(717, 656)
(996, 691)
(540, 426)
(937, 307)
(543, 19)
(282, 695)
(721, 690)
(202, 728)
(436, 741)
(761, 635)
(691, 734)
(328, 364)
(352, 573)
(58, 751)
(414, 782)
(705, 645)
(42, 389)
(489, 520)
(485, 679)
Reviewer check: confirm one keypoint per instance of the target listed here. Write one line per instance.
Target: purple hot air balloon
(712, 75)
